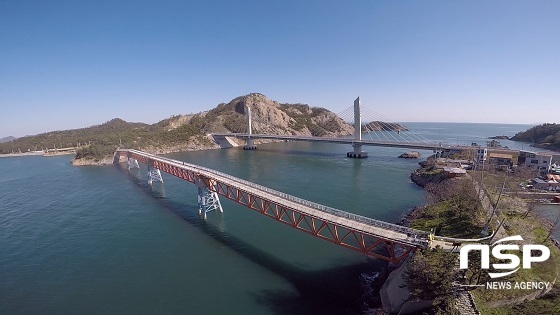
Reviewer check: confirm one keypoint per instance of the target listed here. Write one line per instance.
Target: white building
(541, 161)
(481, 155)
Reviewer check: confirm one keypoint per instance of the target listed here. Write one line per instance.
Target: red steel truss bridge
(368, 236)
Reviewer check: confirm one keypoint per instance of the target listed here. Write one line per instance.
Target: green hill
(545, 136)
(186, 132)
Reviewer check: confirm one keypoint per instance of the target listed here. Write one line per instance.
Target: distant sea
(469, 133)
(101, 240)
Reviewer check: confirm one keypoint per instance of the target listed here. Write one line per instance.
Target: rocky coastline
(395, 296)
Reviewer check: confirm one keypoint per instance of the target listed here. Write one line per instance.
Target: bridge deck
(351, 141)
(345, 219)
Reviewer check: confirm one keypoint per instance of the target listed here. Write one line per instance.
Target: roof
(500, 156)
(455, 170)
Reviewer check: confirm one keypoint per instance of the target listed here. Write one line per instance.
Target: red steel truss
(368, 244)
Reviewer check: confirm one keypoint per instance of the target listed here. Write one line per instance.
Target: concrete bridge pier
(249, 144)
(208, 200)
(357, 153)
(116, 158)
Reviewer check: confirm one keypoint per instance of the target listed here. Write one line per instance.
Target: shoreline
(108, 160)
(40, 153)
(213, 144)
(22, 154)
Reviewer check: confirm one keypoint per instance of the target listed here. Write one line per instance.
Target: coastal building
(449, 152)
(460, 163)
(541, 161)
(500, 159)
(481, 156)
(454, 171)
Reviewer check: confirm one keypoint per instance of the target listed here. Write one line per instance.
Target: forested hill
(72, 138)
(545, 136)
(187, 132)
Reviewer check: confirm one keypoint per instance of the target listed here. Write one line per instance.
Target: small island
(499, 138)
(410, 155)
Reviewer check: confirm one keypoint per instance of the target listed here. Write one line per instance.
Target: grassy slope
(533, 230)
(461, 224)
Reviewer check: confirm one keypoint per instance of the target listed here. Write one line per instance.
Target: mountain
(542, 136)
(188, 132)
(272, 117)
(7, 139)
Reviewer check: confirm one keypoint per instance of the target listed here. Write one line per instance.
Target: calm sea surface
(101, 240)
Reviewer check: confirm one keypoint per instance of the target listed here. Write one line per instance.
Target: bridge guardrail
(333, 211)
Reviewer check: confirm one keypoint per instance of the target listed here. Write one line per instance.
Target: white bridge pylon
(249, 144)
(356, 153)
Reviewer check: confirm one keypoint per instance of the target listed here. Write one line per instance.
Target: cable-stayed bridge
(351, 141)
(370, 129)
(369, 236)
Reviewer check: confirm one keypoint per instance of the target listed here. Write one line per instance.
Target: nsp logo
(531, 253)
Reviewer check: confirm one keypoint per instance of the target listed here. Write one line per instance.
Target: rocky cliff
(271, 117)
(190, 132)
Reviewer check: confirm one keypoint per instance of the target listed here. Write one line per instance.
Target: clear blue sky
(70, 64)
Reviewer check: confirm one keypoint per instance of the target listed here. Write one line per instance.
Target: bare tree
(553, 228)
(523, 172)
(532, 204)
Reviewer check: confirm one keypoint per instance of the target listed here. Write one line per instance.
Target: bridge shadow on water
(337, 290)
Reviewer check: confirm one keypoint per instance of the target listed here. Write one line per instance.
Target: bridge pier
(249, 145)
(132, 163)
(153, 173)
(208, 200)
(116, 157)
(357, 153)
